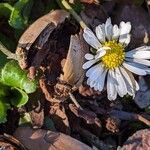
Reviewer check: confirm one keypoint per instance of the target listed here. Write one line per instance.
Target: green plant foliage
(14, 86)
(78, 6)
(4, 106)
(20, 14)
(4, 90)
(5, 9)
(13, 75)
(13, 96)
(18, 97)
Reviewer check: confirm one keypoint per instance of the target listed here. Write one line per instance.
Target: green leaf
(4, 90)
(19, 97)
(78, 6)
(13, 75)
(3, 110)
(5, 9)
(3, 60)
(20, 14)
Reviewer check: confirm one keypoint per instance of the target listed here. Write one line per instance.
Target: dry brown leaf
(73, 73)
(44, 25)
(47, 140)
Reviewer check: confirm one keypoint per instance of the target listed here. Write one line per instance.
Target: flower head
(110, 63)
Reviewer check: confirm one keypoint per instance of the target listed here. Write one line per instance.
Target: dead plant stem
(65, 4)
(75, 101)
(8, 53)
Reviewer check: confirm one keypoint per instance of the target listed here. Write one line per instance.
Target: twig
(75, 101)
(65, 4)
(9, 54)
(129, 116)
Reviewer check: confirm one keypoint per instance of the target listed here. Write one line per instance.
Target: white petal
(138, 54)
(93, 84)
(96, 86)
(140, 61)
(116, 32)
(91, 39)
(88, 81)
(89, 56)
(98, 82)
(89, 63)
(96, 73)
(128, 39)
(101, 80)
(130, 83)
(142, 48)
(100, 32)
(98, 66)
(100, 53)
(111, 90)
(133, 67)
(121, 87)
(91, 70)
(108, 29)
(125, 29)
(134, 82)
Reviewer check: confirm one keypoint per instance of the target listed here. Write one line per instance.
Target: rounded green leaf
(19, 97)
(20, 14)
(3, 110)
(13, 75)
(4, 90)
(5, 9)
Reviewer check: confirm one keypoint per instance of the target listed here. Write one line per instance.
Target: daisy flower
(110, 65)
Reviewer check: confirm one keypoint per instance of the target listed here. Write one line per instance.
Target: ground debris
(138, 141)
(47, 140)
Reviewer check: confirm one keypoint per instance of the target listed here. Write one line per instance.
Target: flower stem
(9, 54)
(65, 4)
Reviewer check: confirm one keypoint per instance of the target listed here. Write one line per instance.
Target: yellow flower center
(114, 56)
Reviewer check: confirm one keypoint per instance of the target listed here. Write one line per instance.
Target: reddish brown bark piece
(8, 142)
(44, 25)
(47, 140)
(138, 141)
